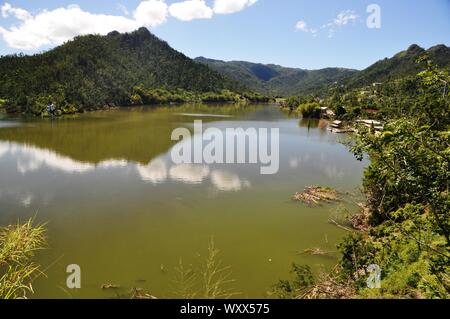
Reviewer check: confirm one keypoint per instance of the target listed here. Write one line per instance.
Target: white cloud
(341, 20)
(123, 9)
(20, 14)
(190, 10)
(344, 18)
(231, 6)
(57, 26)
(151, 13)
(54, 27)
(302, 26)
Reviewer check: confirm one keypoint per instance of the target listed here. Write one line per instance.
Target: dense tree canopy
(95, 71)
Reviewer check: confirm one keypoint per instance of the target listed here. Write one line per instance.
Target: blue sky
(296, 33)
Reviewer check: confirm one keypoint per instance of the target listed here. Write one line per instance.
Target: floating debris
(139, 293)
(141, 280)
(110, 286)
(317, 251)
(314, 195)
(332, 221)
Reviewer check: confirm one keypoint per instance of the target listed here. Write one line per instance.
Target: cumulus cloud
(20, 14)
(57, 26)
(151, 13)
(190, 10)
(231, 6)
(54, 27)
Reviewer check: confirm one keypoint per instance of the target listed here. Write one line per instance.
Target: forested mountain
(400, 65)
(277, 80)
(95, 71)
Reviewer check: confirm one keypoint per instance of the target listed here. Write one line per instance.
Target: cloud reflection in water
(31, 159)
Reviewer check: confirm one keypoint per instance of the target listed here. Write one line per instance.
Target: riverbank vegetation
(18, 246)
(38, 106)
(403, 97)
(143, 96)
(407, 214)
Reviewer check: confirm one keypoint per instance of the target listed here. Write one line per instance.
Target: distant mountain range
(277, 80)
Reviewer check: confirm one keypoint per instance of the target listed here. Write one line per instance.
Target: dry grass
(214, 282)
(330, 286)
(216, 277)
(18, 245)
(185, 281)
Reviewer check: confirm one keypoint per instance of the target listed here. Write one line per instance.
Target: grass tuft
(18, 245)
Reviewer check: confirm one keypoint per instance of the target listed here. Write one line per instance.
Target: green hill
(277, 80)
(400, 65)
(95, 71)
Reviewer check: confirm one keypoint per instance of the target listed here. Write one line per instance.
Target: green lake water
(116, 205)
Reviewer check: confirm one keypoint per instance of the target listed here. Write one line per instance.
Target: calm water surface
(117, 206)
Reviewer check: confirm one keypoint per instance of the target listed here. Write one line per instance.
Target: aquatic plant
(215, 281)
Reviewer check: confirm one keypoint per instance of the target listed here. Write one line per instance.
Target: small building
(377, 125)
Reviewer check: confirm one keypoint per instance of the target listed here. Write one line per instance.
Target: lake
(117, 206)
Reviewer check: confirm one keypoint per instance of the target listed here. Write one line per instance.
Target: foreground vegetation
(18, 245)
(408, 202)
(208, 280)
